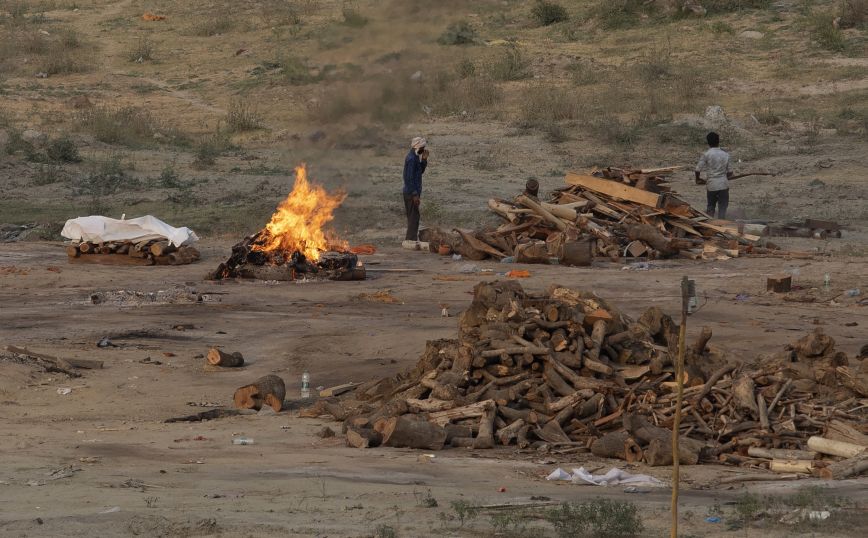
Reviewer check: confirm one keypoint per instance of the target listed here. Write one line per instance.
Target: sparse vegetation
(141, 51)
(546, 13)
(62, 149)
(465, 68)
(107, 179)
(210, 147)
(352, 17)
(601, 518)
(510, 64)
(242, 116)
(853, 13)
(464, 511)
(459, 33)
(825, 33)
(127, 126)
(214, 25)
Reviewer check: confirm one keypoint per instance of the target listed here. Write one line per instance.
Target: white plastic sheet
(615, 477)
(99, 229)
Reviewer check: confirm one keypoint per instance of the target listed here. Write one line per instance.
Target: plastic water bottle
(305, 385)
(242, 441)
(827, 281)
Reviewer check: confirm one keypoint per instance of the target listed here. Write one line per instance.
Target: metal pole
(679, 381)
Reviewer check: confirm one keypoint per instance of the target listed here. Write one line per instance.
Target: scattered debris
(176, 295)
(211, 415)
(382, 296)
(49, 363)
(150, 17)
(812, 228)
(325, 432)
(614, 477)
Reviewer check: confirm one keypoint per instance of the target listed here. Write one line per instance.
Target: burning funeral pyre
(295, 244)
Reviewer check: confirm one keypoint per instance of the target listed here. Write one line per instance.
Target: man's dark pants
(719, 199)
(412, 211)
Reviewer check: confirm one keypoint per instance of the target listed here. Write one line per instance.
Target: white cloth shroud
(615, 477)
(99, 229)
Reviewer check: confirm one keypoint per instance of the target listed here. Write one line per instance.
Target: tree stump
(269, 390)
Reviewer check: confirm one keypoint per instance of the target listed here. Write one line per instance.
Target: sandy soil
(135, 475)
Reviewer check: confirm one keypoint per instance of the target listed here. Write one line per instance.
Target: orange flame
(298, 223)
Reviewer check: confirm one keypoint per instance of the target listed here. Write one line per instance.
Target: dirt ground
(135, 475)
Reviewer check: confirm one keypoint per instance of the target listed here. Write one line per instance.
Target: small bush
(720, 27)
(47, 174)
(542, 104)
(141, 51)
(510, 65)
(614, 14)
(127, 126)
(276, 13)
(824, 32)
(583, 73)
(242, 116)
(601, 518)
(169, 177)
(728, 6)
(465, 68)
(854, 13)
(546, 13)
(106, 180)
(216, 25)
(459, 33)
(352, 17)
(16, 142)
(62, 149)
(210, 147)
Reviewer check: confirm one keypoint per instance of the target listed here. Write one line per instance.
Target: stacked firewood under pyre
(612, 213)
(248, 261)
(567, 369)
(146, 252)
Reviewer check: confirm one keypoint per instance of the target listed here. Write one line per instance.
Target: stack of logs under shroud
(146, 252)
(568, 370)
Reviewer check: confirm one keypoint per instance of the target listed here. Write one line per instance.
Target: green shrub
(47, 174)
(62, 149)
(546, 13)
(720, 27)
(614, 14)
(108, 179)
(459, 33)
(127, 126)
(601, 518)
(510, 65)
(210, 147)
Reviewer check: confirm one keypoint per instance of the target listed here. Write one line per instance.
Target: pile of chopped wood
(146, 252)
(568, 370)
(613, 213)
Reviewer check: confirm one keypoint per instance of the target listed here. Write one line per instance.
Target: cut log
(87, 248)
(569, 401)
(72, 251)
(598, 334)
(791, 466)
(428, 406)
(556, 382)
(577, 253)
(551, 432)
(835, 448)
(845, 468)
(841, 431)
(542, 212)
(779, 283)
(162, 248)
(409, 432)
(363, 438)
(659, 451)
(743, 394)
(780, 453)
(268, 390)
(219, 357)
(442, 418)
(485, 436)
(457, 430)
(614, 445)
(506, 434)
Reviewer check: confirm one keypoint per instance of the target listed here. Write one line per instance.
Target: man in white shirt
(715, 163)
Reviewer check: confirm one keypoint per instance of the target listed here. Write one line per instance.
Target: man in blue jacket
(414, 166)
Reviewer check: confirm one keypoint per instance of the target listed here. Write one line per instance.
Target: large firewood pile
(568, 370)
(613, 213)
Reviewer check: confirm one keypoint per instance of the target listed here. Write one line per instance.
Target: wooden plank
(614, 189)
(684, 226)
(728, 231)
(337, 390)
(111, 259)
